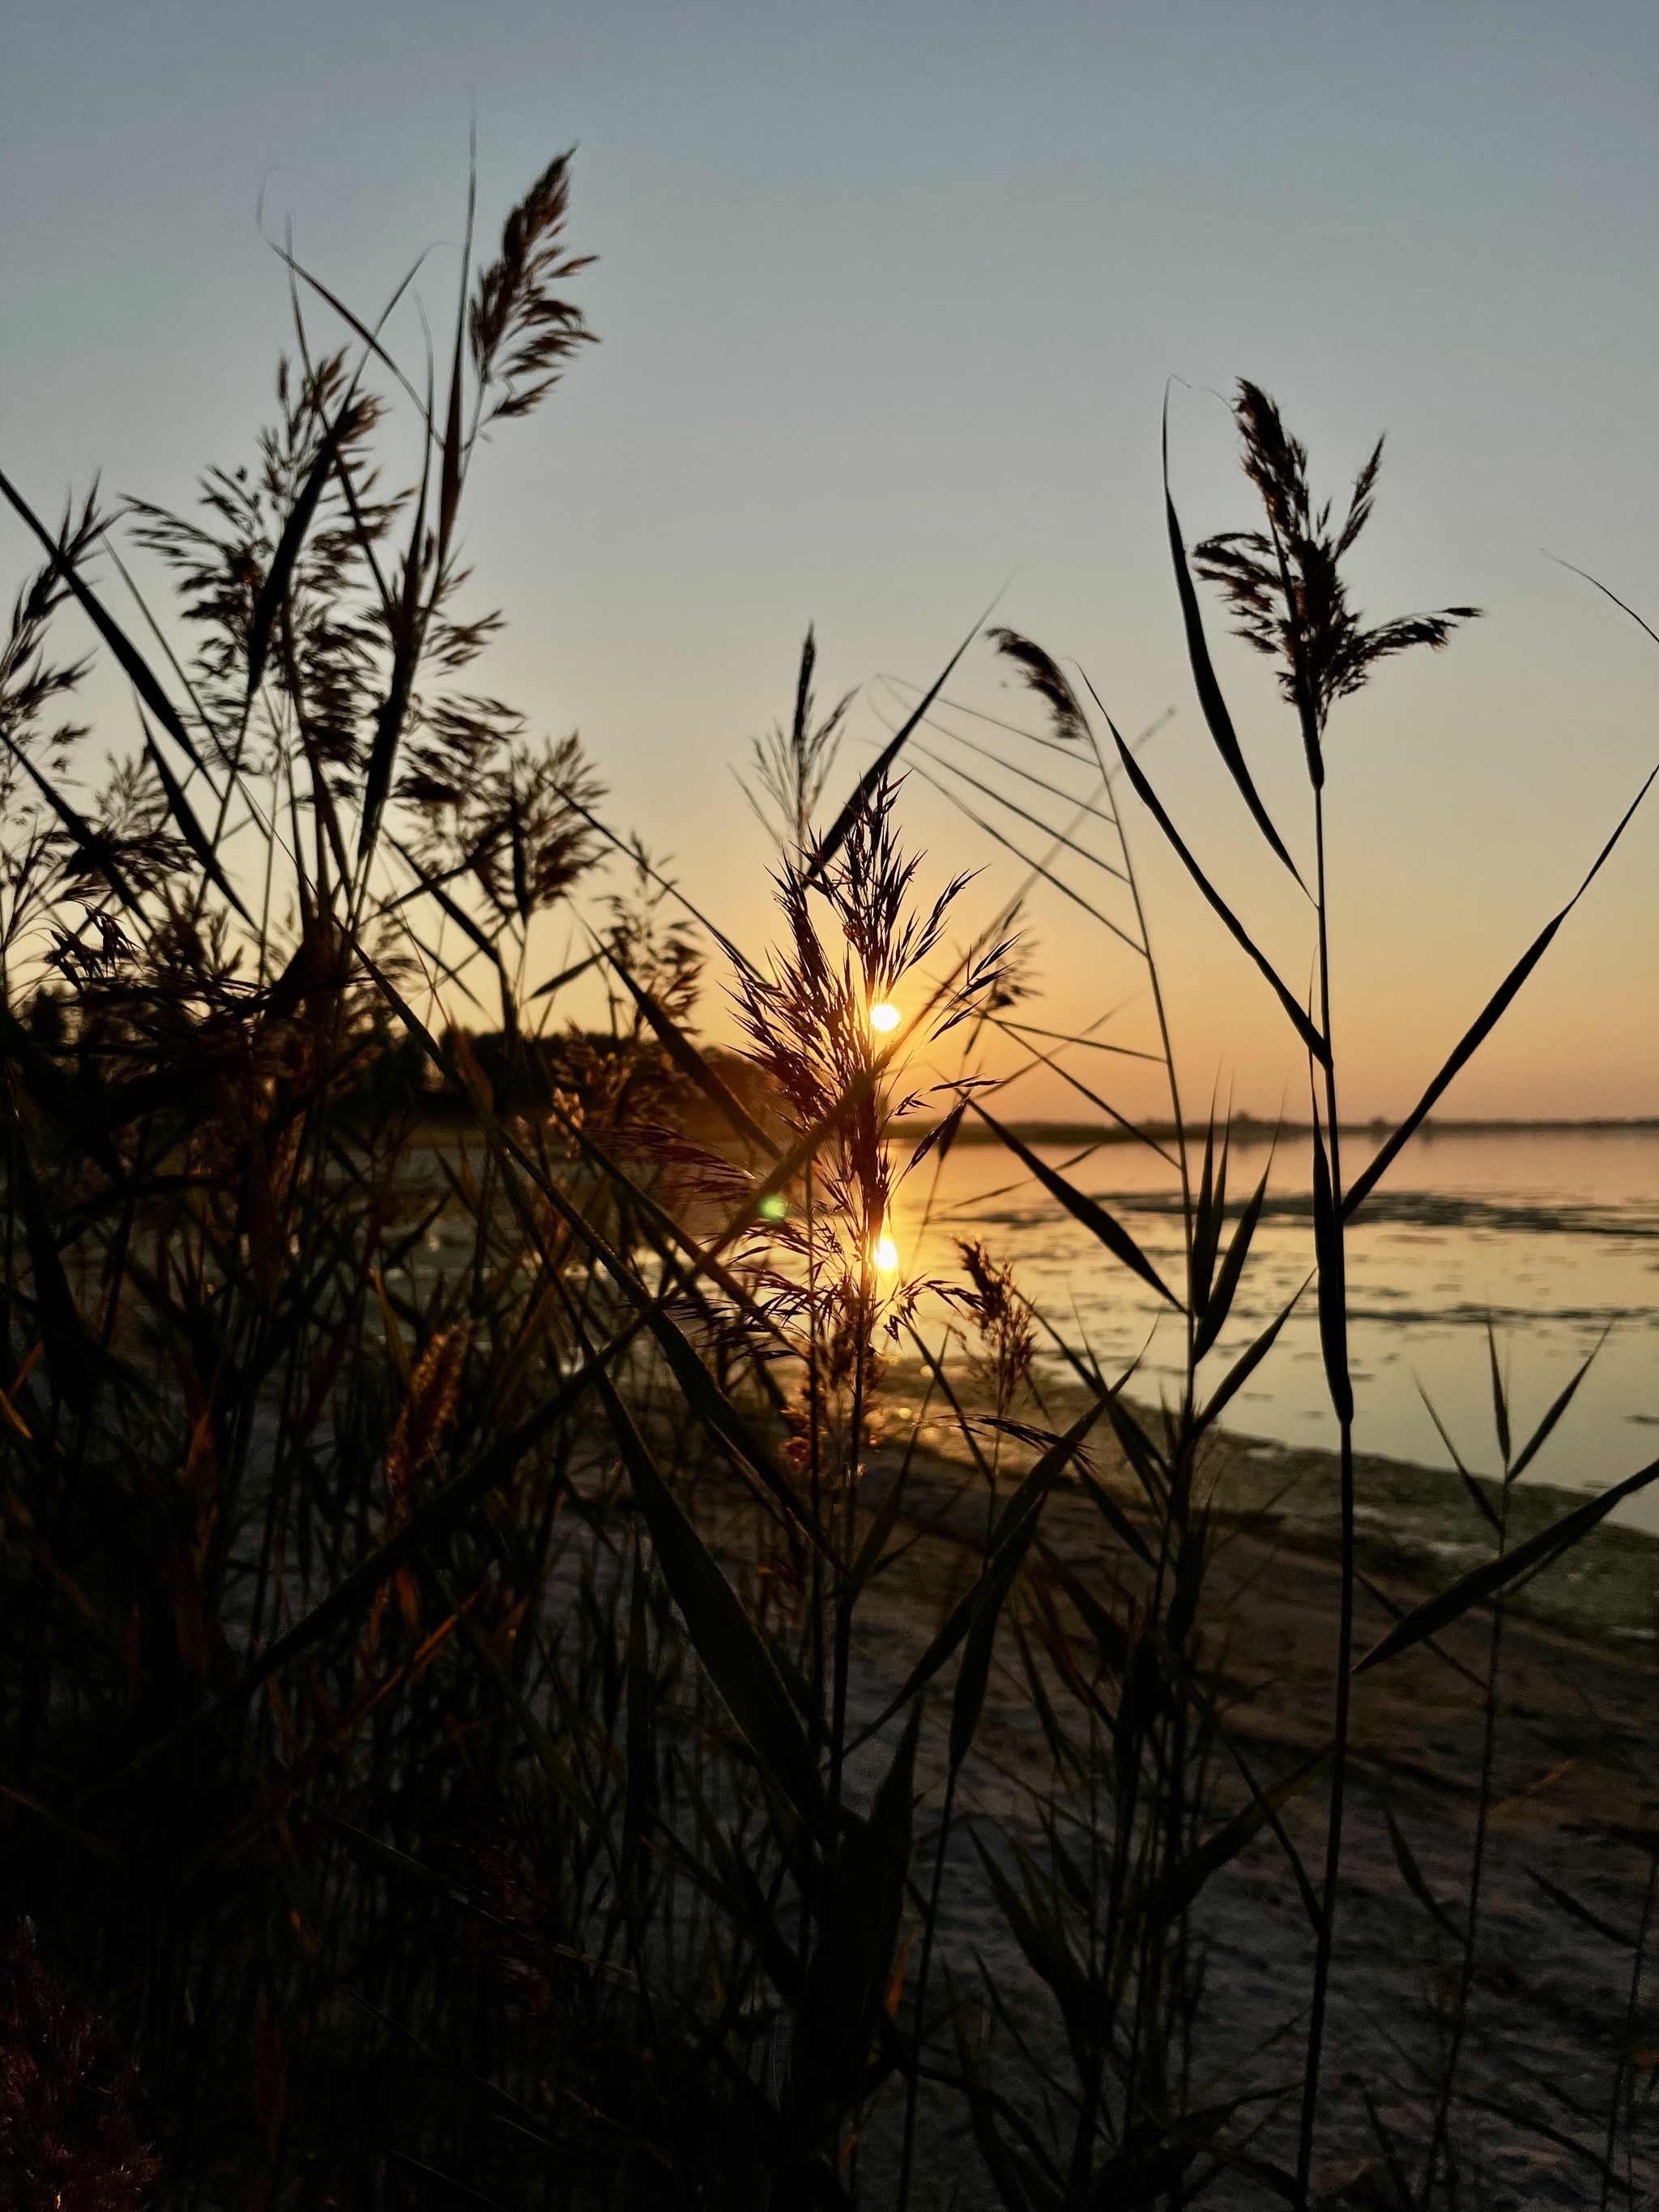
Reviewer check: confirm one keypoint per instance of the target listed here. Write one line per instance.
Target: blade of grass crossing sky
(95, 849)
(1487, 1020)
(831, 844)
(137, 668)
(1299, 1021)
(1216, 715)
(192, 830)
(274, 589)
(407, 629)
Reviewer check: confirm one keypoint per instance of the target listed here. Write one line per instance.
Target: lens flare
(883, 1018)
(886, 1256)
(775, 1206)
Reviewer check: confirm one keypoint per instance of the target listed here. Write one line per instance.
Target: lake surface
(1554, 1235)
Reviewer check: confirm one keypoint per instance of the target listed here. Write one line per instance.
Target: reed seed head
(1285, 585)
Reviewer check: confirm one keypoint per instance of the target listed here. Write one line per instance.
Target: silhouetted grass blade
(95, 848)
(56, 1094)
(690, 1062)
(1039, 869)
(1483, 1505)
(404, 620)
(1299, 1021)
(1114, 1517)
(1138, 1447)
(942, 1134)
(1207, 1228)
(190, 829)
(1491, 1014)
(1156, 2155)
(274, 588)
(1333, 1290)
(1576, 1910)
(1015, 1526)
(1483, 1581)
(725, 1638)
(1093, 1216)
(566, 975)
(828, 846)
(991, 1594)
(883, 1522)
(1182, 1884)
(1541, 1434)
(1112, 1639)
(132, 661)
(552, 1760)
(1021, 2183)
(449, 468)
(1416, 1881)
(1056, 837)
(458, 914)
(637, 858)
(847, 1982)
(1245, 1365)
(71, 1353)
(520, 858)
(386, 1855)
(713, 1406)
(1042, 1939)
(1210, 698)
(1219, 1302)
(1104, 1105)
(1500, 1404)
(370, 338)
(642, 1747)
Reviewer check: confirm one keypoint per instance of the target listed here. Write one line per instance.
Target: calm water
(1553, 1234)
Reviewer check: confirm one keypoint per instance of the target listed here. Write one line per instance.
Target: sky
(889, 298)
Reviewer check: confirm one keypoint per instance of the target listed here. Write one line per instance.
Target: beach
(1574, 1762)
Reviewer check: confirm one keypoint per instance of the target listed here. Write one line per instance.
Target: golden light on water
(883, 1018)
(886, 1256)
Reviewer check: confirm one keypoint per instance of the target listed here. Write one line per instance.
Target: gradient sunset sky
(889, 297)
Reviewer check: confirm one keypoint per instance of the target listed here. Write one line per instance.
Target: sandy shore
(1576, 1754)
(1415, 1524)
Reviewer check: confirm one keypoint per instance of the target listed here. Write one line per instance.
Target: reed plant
(450, 1471)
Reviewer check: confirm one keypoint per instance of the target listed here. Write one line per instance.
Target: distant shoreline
(1250, 1128)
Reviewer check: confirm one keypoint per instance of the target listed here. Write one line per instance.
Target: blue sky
(889, 297)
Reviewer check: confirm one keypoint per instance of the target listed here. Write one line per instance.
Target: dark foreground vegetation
(492, 1702)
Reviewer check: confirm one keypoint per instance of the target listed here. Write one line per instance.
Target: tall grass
(447, 1476)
